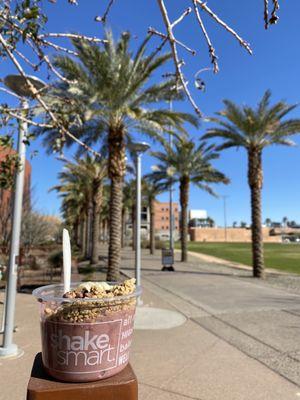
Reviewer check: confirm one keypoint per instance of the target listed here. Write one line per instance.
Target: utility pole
(225, 216)
(171, 214)
(138, 149)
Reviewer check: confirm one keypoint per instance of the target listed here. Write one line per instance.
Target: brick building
(6, 198)
(162, 218)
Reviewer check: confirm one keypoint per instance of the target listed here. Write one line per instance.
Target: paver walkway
(240, 340)
(257, 319)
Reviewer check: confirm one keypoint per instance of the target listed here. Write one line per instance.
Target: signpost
(167, 259)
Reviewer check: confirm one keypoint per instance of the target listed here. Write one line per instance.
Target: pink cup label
(87, 348)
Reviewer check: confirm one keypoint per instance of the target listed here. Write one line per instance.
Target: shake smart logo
(86, 347)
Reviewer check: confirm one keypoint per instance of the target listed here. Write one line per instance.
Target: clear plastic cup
(85, 339)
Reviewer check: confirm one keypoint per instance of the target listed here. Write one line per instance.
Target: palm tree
(285, 221)
(85, 177)
(150, 191)
(255, 129)
(111, 98)
(75, 198)
(211, 222)
(186, 164)
(94, 172)
(129, 197)
(268, 222)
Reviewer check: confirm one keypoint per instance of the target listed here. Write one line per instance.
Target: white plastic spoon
(67, 261)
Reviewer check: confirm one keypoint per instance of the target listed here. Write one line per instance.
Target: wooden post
(122, 386)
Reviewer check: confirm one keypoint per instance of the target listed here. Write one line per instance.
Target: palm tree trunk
(88, 246)
(133, 226)
(87, 233)
(83, 233)
(104, 230)
(76, 231)
(184, 188)
(152, 233)
(97, 201)
(255, 180)
(123, 227)
(116, 171)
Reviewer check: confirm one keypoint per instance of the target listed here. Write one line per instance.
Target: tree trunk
(255, 180)
(123, 227)
(104, 230)
(97, 201)
(83, 234)
(116, 171)
(76, 231)
(184, 188)
(152, 233)
(88, 246)
(133, 226)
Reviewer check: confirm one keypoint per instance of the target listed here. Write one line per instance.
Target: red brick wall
(233, 235)
(162, 217)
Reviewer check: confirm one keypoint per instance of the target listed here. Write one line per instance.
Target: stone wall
(233, 235)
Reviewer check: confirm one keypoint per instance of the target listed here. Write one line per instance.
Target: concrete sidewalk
(239, 339)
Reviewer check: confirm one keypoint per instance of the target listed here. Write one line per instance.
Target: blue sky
(242, 78)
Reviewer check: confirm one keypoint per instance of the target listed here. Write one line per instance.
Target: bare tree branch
(24, 119)
(266, 13)
(185, 13)
(214, 16)
(178, 63)
(106, 12)
(162, 35)
(38, 97)
(211, 49)
(72, 36)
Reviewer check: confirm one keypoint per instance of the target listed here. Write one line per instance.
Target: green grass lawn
(284, 257)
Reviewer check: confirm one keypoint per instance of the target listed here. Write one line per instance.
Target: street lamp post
(18, 84)
(138, 149)
(225, 216)
(171, 216)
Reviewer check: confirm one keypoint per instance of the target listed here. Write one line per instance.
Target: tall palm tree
(186, 164)
(111, 95)
(129, 196)
(93, 172)
(75, 199)
(254, 129)
(85, 177)
(151, 190)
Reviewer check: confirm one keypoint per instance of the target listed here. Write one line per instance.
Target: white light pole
(19, 86)
(225, 216)
(171, 216)
(138, 149)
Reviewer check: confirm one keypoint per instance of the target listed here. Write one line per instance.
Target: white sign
(200, 214)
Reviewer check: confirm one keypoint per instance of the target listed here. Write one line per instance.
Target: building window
(162, 218)
(162, 209)
(162, 227)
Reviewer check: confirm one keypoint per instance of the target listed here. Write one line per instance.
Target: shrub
(55, 259)
(159, 244)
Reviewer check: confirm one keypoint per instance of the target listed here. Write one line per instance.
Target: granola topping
(78, 310)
